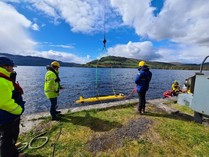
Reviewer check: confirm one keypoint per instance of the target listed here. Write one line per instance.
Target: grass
(182, 108)
(101, 133)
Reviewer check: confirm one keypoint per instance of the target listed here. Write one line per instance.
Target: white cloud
(63, 46)
(48, 7)
(13, 1)
(61, 56)
(35, 27)
(187, 23)
(179, 21)
(138, 50)
(88, 57)
(135, 13)
(82, 16)
(13, 35)
(184, 54)
(184, 22)
(14, 38)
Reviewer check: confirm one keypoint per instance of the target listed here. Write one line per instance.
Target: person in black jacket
(142, 85)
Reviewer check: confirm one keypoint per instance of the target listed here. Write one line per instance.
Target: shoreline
(30, 121)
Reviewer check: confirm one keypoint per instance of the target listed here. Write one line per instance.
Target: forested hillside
(34, 61)
(122, 62)
(104, 62)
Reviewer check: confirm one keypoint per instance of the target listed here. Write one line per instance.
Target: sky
(74, 30)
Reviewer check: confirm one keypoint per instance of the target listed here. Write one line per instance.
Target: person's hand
(22, 104)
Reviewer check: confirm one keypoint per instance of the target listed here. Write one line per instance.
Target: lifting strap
(98, 97)
(104, 50)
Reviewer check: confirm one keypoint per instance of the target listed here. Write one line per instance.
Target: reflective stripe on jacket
(8, 107)
(51, 86)
(143, 79)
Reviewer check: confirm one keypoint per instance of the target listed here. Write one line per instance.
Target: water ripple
(83, 81)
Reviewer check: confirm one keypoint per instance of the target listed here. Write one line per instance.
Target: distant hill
(109, 61)
(122, 62)
(118, 62)
(35, 61)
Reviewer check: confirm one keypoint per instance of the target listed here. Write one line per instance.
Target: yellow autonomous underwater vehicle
(99, 98)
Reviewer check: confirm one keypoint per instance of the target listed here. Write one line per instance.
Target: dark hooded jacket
(143, 79)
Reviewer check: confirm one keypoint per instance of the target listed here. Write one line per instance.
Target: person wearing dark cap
(11, 108)
(142, 85)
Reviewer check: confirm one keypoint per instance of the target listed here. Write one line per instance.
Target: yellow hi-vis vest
(6, 102)
(51, 86)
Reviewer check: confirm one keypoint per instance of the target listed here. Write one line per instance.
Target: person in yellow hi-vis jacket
(52, 87)
(175, 88)
(11, 108)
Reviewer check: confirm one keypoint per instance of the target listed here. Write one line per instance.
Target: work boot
(139, 112)
(58, 112)
(22, 155)
(55, 118)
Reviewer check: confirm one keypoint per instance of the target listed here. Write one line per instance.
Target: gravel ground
(115, 139)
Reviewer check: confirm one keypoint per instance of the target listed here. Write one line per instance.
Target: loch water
(91, 82)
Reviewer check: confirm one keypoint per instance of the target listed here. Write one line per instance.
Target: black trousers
(142, 101)
(53, 106)
(8, 137)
